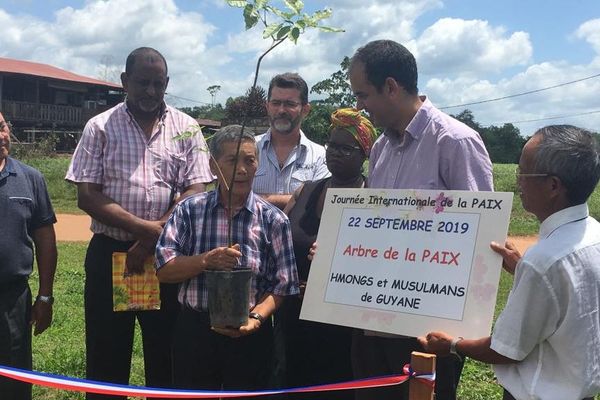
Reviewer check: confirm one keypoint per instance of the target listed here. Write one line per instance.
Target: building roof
(209, 123)
(13, 66)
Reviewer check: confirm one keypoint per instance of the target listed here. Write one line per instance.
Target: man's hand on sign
(510, 255)
(312, 251)
(223, 258)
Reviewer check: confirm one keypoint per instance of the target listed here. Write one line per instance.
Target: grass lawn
(64, 194)
(60, 350)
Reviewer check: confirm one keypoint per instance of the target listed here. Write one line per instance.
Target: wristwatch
(255, 315)
(453, 346)
(45, 299)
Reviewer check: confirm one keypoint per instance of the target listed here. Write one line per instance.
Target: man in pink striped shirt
(129, 170)
(420, 148)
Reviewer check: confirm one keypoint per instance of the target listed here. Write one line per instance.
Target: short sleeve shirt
(551, 321)
(199, 224)
(305, 163)
(142, 175)
(24, 207)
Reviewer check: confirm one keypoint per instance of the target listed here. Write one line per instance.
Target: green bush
(43, 148)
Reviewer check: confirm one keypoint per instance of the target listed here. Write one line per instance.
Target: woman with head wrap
(318, 353)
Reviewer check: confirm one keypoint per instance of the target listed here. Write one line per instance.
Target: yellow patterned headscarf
(357, 124)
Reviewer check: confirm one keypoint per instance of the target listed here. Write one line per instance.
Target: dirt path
(73, 228)
(76, 228)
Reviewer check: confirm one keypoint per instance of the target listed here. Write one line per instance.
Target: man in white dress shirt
(546, 342)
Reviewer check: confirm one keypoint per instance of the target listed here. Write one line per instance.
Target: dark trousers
(206, 360)
(15, 337)
(109, 334)
(315, 353)
(375, 356)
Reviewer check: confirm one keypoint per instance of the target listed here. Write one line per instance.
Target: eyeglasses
(343, 149)
(289, 104)
(520, 175)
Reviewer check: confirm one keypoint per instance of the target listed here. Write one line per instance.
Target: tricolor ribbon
(83, 385)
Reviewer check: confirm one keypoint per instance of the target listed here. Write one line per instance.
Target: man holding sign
(421, 148)
(546, 341)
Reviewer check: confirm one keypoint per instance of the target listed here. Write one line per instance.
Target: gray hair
(571, 154)
(290, 80)
(229, 133)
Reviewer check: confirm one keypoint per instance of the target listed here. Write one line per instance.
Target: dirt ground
(73, 228)
(76, 228)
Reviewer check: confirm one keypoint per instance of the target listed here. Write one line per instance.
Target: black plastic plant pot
(228, 297)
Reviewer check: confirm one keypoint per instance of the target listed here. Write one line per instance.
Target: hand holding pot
(223, 258)
(251, 326)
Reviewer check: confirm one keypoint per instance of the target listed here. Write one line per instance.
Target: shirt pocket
(300, 176)
(21, 207)
(169, 167)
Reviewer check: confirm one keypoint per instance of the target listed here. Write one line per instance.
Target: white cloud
(77, 39)
(456, 46)
(460, 60)
(590, 32)
(565, 100)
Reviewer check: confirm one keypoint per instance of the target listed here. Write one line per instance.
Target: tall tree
(252, 105)
(336, 87)
(316, 124)
(213, 90)
(503, 143)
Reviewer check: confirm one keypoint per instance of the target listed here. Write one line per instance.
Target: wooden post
(421, 363)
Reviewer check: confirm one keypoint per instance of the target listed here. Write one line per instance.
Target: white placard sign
(408, 261)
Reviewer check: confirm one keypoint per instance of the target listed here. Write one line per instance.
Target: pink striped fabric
(141, 175)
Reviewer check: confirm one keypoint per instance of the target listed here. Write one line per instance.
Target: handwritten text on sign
(417, 255)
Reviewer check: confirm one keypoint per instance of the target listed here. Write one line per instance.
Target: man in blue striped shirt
(287, 157)
(195, 240)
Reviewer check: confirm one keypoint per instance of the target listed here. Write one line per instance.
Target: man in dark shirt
(26, 216)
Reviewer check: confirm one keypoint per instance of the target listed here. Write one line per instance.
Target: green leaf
(260, 4)
(271, 29)
(250, 16)
(185, 135)
(322, 14)
(294, 34)
(236, 3)
(283, 32)
(300, 24)
(330, 29)
(295, 5)
(275, 11)
(286, 16)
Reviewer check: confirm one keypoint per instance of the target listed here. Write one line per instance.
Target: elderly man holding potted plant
(195, 241)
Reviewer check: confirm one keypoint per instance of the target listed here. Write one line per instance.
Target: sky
(467, 50)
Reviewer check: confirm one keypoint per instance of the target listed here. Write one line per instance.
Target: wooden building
(39, 98)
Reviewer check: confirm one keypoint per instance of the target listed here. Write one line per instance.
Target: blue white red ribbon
(82, 385)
